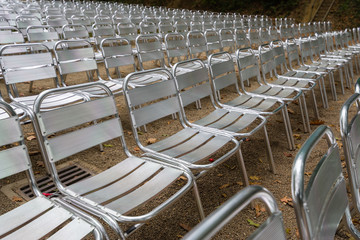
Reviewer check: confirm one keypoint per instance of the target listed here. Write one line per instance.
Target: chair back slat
(14, 160)
(73, 54)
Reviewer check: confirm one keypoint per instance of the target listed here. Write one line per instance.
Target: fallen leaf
(297, 136)
(254, 178)
(317, 122)
(224, 186)
(29, 138)
(298, 146)
(16, 199)
(129, 133)
(255, 183)
(33, 153)
(220, 175)
(185, 226)
(151, 140)
(40, 163)
(291, 111)
(180, 236)
(168, 122)
(136, 149)
(277, 181)
(260, 160)
(140, 133)
(279, 121)
(164, 135)
(259, 209)
(183, 178)
(297, 234)
(343, 164)
(108, 145)
(307, 173)
(240, 183)
(224, 195)
(288, 231)
(287, 154)
(286, 199)
(252, 223)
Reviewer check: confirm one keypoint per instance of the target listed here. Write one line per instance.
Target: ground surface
(216, 186)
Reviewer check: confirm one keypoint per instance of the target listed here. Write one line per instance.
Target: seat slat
(13, 160)
(41, 225)
(76, 229)
(23, 213)
(227, 119)
(74, 142)
(122, 186)
(66, 117)
(156, 111)
(206, 150)
(189, 145)
(145, 192)
(242, 123)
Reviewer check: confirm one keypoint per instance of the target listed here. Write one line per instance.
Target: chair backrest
(195, 26)
(305, 51)
(267, 62)
(102, 19)
(56, 22)
(279, 57)
(149, 48)
(127, 30)
(292, 51)
(197, 44)
(83, 20)
(176, 47)
(227, 39)
(75, 56)
(322, 203)
(213, 40)
(117, 52)
(274, 33)
(271, 229)
(165, 28)
(10, 35)
(3, 21)
(241, 39)
(41, 34)
(349, 128)
(101, 31)
(193, 85)
(181, 27)
(35, 63)
(153, 100)
(147, 27)
(254, 37)
(75, 31)
(248, 66)
(22, 22)
(265, 37)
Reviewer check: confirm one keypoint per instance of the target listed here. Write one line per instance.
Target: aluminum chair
(22, 22)
(82, 20)
(127, 30)
(103, 19)
(77, 56)
(76, 32)
(271, 229)
(239, 123)
(115, 193)
(190, 146)
(10, 35)
(322, 202)
(100, 32)
(57, 22)
(147, 27)
(46, 35)
(223, 75)
(181, 27)
(40, 217)
(165, 28)
(213, 41)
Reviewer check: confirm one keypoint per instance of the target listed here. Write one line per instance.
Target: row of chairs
(322, 202)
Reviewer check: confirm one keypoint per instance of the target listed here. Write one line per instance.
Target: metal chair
(22, 22)
(115, 193)
(322, 202)
(271, 229)
(41, 216)
(127, 30)
(46, 35)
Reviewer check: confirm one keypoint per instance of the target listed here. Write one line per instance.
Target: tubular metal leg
(288, 129)
(269, 151)
(198, 201)
(316, 110)
(240, 159)
(302, 115)
(306, 113)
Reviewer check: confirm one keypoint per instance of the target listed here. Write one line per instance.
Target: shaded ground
(216, 186)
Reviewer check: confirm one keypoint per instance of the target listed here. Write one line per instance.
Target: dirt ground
(217, 185)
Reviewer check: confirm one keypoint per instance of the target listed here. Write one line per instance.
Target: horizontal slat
(119, 61)
(76, 229)
(42, 36)
(11, 38)
(41, 225)
(117, 50)
(106, 177)
(221, 67)
(225, 81)
(22, 214)
(29, 75)
(76, 34)
(195, 93)
(68, 144)
(156, 111)
(192, 78)
(151, 92)
(149, 46)
(242, 123)
(81, 66)
(26, 60)
(150, 56)
(72, 54)
(121, 186)
(177, 52)
(212, 117)
(66, 117)
(150, 189)
(10, 131)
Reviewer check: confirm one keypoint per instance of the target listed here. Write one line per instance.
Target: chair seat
(274, 91)
(253, 103)
(39, 218)
(286, 82)
(190, 145)
(113, 85)
(126, 185)
(301, 74)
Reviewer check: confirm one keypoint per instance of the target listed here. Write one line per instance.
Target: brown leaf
(279, 121)
(16, 199)
(33, 153)
(254, 178)
(307, 173)
(259, 209)
(240, 183)
(286, 199)
(151, 140)
(185, 226)
(297, 234)
(287, 154)
(40, 163)
(317, 122)
(136, 149)
(297, 136)
(129, 133)
(277, 181)
(255, 183)
(298, 146)
(343, 164)
(291, 111)
(224, 186)
(183, 178)
(220, 175)
(29, 138)
(224, 195)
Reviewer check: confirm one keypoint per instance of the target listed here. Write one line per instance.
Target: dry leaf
(291, 111)
(33, 153)
(259, 209)
(317, 122)
(255, 183)
(16, 199)
(252, 223)
(220, 175)
(287, 154)
(240, 183)
(151, 140)
(29, 138)
(286, 199)
(40, 163)
(108, 145)
(307, 173)
(298, 146)
(277, 181)
(180, 236)
(129, 133)
(140, 133)
(224, 186)
(288, 231)
(343, 164)
(183, 178)
(136, 149)
(224, 195)
(254, 178)
(185, 226)
(297, 234)
(260, 160)
(279, 121)
(297, 136)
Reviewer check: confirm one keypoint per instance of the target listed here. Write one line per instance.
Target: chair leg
(288, 128)
(241, 162)
(341, 81)
(307, 121)
(301, 106)
(316, 110)
(198, 200)
(324, 95)
(269, 151)
(332, 85)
